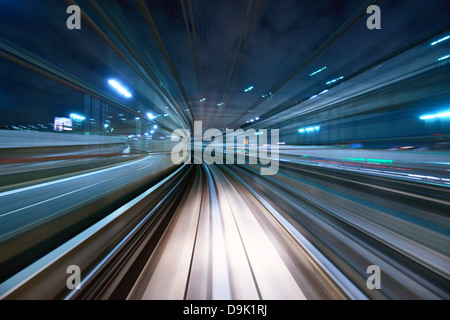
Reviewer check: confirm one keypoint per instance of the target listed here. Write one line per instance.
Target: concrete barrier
(22, 144)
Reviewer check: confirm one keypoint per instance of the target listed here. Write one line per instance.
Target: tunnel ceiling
(222, 62)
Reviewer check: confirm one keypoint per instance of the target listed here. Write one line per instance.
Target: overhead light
(438, 115)
(440, 40)
(137, 118)
(334, 80)
(77, 117)
(316, 72)
(443, 114)
(444, 57)
(152, 131)
(313, 96)
(155, 126)
(309, 129)
(257, 118)
(150, 116)
(323, 92)
(248, 89)
(251, 120)
(116, 85)
(201, 100)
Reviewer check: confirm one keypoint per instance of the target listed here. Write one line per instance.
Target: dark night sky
(283, 35)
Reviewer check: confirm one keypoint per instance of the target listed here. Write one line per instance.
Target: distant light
(137, 118)
(106, 125)
(316, 72)
(438, 115)
(248, 89)
(152, 131)
(201, 100)
(77, 117)
(155, 126)
(440, 40)
(444, 57)
(248, 121)
(355, 159)
(443, 114)
(309, 129)
(334, 80)
(150, 116)
(116, 85)
(165, 115)
(379, 160)
(251, 120)
(257, 118)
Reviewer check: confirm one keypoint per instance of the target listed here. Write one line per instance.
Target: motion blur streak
(362, 153)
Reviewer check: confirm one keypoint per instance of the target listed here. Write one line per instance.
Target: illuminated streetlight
(316, 72)
(438, 115)
(440, 40)
(334, 80)
(77, 117)
(116, 85)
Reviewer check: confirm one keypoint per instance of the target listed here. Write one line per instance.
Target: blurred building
(96, 112)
